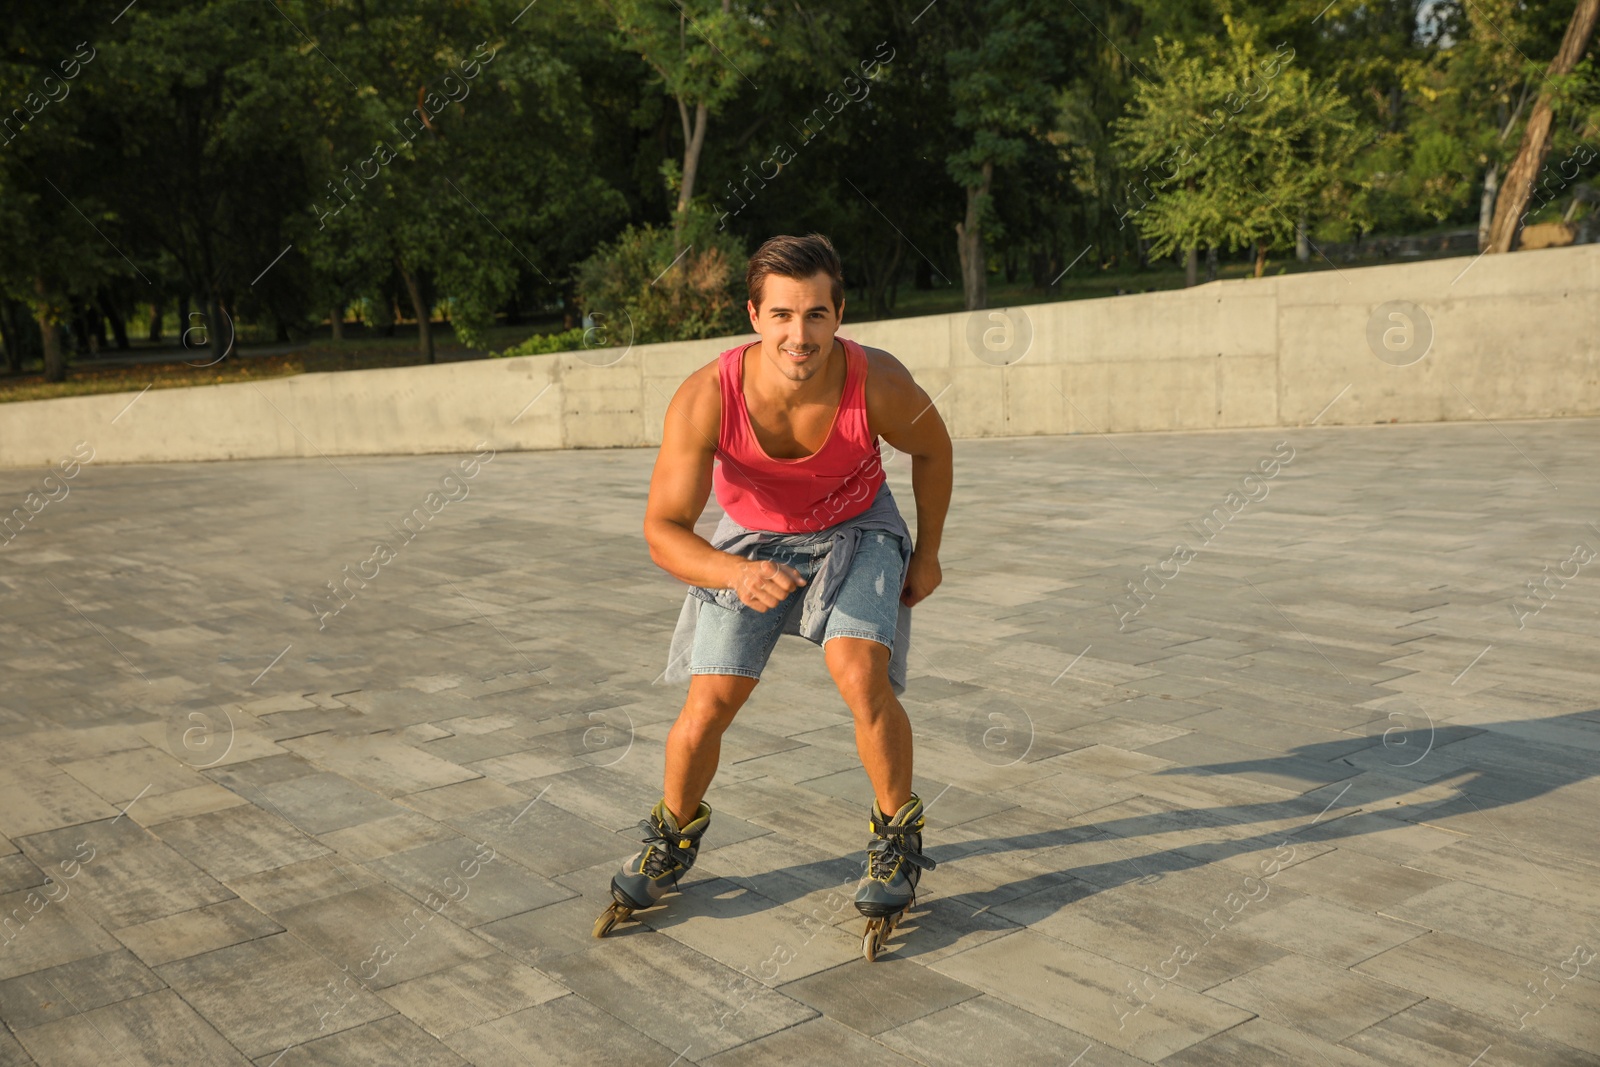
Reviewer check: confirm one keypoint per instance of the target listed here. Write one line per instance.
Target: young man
(812, 543)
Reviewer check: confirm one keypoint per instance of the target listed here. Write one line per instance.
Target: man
(812, 543)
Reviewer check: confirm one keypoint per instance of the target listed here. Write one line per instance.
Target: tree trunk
(1191, 268)
(1211, 263)
(424, 333)
(694, 140)
(969, 243)
(1302, 240)
(22, 346)
(336, 323)
(154, 332)
(9, 339)
(1261, 258)
(113, 315)
(1513, 198)
(1491, 186)
(55, 362)
(217, 330)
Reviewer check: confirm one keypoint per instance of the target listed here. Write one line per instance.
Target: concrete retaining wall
(1512, 336)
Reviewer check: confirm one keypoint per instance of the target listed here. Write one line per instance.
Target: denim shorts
(739, 641)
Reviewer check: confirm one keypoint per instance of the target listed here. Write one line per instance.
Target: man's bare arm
(907, 419)
(680, 485)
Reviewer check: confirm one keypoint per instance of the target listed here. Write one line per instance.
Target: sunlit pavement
(1321, 791)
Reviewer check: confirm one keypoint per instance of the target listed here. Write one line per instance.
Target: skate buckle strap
(887, 829)
(675, 848)
(892, 848)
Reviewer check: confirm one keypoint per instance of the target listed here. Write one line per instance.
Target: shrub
(541, 343)
(640, 279)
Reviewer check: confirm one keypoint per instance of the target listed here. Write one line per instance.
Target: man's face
(797, 321)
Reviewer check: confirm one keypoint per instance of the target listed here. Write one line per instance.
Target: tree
(1536, 137)
(703, 52)
(1234, 146)
(1002, 96)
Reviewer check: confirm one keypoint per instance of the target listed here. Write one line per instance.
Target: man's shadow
(1457, 769)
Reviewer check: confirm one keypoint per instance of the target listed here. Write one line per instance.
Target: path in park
(1328, 797)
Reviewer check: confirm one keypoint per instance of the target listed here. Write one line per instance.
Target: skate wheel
(609, 918)
(873, 940)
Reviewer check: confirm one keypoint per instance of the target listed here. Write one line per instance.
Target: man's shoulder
(888, 381)
(699, 400)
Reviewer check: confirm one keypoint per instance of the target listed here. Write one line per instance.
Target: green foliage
(1232, 145)
(543, 343)
(663, 290)
(206, 138)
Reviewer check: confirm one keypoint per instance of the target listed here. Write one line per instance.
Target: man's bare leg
(860, 668)
(694, 744)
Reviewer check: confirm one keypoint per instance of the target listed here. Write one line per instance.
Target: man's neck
(772, 384)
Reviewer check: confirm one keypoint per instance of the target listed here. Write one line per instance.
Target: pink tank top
(805, 495)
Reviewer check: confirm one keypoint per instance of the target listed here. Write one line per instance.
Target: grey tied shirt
(820, 592)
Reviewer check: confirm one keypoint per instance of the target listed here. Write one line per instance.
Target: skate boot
(668, 854)
(894, 863)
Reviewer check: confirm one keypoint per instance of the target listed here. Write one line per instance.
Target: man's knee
(713, 702)
(860, 668)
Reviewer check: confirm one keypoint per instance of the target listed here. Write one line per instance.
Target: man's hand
(922, 577)
(763, 584)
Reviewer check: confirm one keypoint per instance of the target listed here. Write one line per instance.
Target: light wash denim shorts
(739, 641)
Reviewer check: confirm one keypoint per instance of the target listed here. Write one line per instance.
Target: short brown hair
(795, 257)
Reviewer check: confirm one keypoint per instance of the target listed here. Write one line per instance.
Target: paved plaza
(1322, 790)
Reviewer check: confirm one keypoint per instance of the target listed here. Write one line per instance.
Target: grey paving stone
(406, 938)
(390, 767)
(1565, 881)
(471, 994)
(756, 936)
(414, 699)
(543, 935)
(1327, 931)
(463, 798)
(1262, 1041)
(82, 985)
(985, 1029)
(11, 1053)
(387, 836)
(682, 997)
(1147, 935)
(1329, 1002)
(1492, 918)
(129, 876)
(1432, 1032)
(190, 933)
(567, 1030)
(376, 1044)
(240, 841)
(148, 1031)
(879, 996)
(1515, 992)
(257, 773)
(1356, 879)
(813, 1041)
(319, 803)
(19, 872)
(199, 800)
(39, 930)
(271, 993)
(1086, 992)
(37, 798)
(281, 888)
(479, 891)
